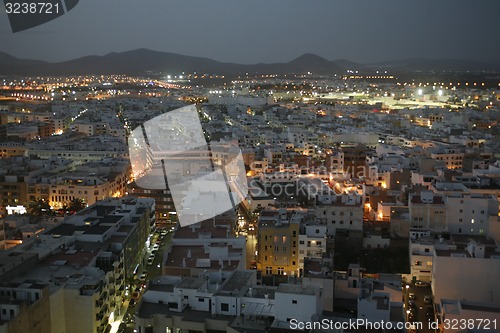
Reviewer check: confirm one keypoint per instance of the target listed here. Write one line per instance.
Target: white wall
(304, 308)
(473, 279)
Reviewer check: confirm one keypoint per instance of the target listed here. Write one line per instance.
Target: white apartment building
(340, 212)
(451, 311)
(421, 251)
(427, 211)
(225, 302)
(312, 241)
(467, 272)
(471, 214)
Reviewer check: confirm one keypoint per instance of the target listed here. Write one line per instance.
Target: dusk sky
(267, 30)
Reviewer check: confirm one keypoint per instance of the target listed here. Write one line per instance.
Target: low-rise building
(224, 302)
(462, 315)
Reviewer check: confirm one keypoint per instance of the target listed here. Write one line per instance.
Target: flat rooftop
(436, 200)
(456, 306)
(68, 229)
(149, 309)
(296, 289)
(79, 258)
(237, 282)
(179, 257)
(168, 288)
(220, 227)
(191, 283)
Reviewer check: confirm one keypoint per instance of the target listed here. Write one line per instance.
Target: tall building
(72, 277)
(278, 242)
(355, 160)
(164, 202)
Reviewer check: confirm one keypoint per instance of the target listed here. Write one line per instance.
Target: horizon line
(486, 62)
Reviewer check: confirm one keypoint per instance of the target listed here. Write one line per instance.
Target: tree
(39, 207)
(76, 205)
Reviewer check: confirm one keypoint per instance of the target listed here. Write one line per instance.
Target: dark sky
(268, 30)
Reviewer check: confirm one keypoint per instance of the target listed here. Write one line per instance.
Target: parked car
(429, 313)
(122, 328)
(150, 261)
(412, 296)
(412, 329)
(428, 299)
(421, 284)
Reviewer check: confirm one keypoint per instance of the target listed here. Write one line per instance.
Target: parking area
(419, 304)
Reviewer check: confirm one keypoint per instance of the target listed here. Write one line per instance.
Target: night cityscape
(220, 166)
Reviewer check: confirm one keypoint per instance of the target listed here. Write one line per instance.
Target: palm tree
(39, 207)
(76, 205)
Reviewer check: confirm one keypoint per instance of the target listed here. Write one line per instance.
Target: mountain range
(143, 60)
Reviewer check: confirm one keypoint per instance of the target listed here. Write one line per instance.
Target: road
(251, 247)
(421, 307)
(251, 237)
(153, 271)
